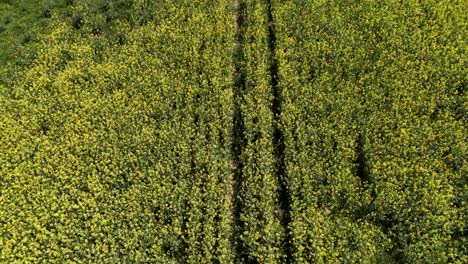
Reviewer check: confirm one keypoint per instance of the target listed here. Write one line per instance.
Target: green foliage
(20, 23)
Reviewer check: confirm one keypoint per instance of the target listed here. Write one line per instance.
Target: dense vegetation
(233, 131)
(373, 129)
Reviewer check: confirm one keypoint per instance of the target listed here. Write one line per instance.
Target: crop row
(261, 236)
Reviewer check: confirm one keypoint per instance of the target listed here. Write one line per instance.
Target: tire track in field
(278, 138)
(238, 137)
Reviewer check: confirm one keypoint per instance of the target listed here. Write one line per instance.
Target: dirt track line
(278, 138)
(238, 137)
